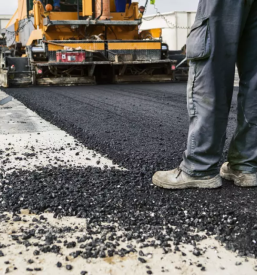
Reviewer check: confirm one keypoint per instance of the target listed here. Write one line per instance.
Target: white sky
(161, 5)
(170, 5)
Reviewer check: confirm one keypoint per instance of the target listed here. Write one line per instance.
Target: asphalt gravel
(142, 128)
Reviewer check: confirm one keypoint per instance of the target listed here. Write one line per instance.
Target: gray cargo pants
(224, 33)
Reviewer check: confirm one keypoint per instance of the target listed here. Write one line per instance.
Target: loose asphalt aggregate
(143, 128)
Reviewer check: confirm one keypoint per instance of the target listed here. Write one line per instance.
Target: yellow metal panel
(35, 35)
(87, 8)
(117, 15)
(134, 46)
(156, 33)
(22, 9)
(63, 15)
(153, 33)
(112, 5)
(86, 46)
(131, 11)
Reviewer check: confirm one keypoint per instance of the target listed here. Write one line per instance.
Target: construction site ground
(76, 195)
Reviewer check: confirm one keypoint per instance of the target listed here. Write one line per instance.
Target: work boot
(240, 178)
(177, 179)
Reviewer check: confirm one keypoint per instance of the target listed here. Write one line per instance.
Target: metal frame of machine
(113, 50)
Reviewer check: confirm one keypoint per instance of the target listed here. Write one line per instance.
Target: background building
(175, 27)
(4, 19)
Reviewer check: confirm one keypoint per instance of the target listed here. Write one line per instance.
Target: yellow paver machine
(85, 41)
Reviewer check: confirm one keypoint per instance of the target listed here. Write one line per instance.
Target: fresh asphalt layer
(142, 128)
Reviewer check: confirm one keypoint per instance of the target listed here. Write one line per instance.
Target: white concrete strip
(28, 141)
(216, 260)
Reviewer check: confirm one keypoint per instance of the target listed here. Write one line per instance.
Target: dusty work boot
(177, 179)
(239, 177)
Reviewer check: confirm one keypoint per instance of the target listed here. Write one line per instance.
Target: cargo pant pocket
(199, 40)
(198, 51)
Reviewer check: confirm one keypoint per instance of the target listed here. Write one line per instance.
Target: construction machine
(85, 42)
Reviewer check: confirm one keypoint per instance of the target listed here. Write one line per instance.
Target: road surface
(143, 128)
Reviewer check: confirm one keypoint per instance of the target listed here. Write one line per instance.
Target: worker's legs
(243, 148)
(212, 46)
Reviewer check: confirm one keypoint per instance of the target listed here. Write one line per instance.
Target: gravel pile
(128, 199)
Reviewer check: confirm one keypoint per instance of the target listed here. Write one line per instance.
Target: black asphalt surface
(142, 127)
